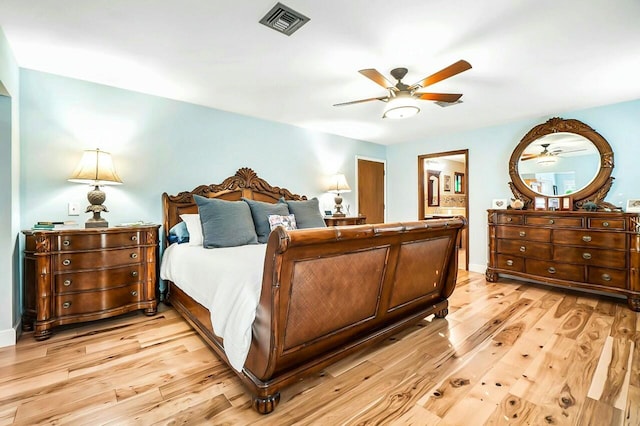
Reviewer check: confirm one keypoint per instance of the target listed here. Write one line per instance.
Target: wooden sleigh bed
(326, 292)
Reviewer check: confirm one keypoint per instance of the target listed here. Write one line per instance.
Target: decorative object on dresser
(592, 248)
(347, 220)
(79, 275)
(337, 185)
(96, 168)
(310, 314)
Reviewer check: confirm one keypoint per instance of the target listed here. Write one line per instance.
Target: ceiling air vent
(284, 19)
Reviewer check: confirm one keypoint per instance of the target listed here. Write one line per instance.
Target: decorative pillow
(307, 213)
(179, 233)
(225, 223)
(261, 211)
(287, 221)
(194, 228)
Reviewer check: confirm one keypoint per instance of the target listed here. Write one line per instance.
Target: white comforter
(227, 281)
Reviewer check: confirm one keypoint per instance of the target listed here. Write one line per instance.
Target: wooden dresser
(590, 250)
(78, 275)
(346, 220)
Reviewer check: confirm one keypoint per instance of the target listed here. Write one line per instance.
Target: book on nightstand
(49, 226)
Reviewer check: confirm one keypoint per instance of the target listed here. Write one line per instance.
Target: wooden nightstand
(79, 275)
(347, 220)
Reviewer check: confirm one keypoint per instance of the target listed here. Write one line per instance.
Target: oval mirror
(562, 158)
(559, 164)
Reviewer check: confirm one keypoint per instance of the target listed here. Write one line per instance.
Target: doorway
(443, 190)
(370, 175)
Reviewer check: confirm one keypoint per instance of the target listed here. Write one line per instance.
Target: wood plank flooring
(508, 353)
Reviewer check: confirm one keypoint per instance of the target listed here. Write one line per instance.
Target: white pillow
(194, 227)
(288, 221)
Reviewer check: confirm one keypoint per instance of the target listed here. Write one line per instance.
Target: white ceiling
(529, 57)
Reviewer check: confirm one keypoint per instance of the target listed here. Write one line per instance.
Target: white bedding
(227, 281)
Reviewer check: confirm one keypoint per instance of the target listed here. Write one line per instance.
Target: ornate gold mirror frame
(595, 191)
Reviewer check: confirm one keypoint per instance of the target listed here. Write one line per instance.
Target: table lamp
(338, 184)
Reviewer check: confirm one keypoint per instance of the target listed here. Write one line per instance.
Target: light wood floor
(508, 353)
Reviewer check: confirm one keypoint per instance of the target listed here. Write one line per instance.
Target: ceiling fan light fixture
(401, 106)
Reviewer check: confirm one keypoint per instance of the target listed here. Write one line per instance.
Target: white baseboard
(481, 269)
(7, 337)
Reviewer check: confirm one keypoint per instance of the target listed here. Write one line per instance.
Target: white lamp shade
(95, 168)
(338, 184)
(401, 106)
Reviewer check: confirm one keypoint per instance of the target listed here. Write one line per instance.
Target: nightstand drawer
(91, 301)
(77, 241)
(97, 280)
(93, 259)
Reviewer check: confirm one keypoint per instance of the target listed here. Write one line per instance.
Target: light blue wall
(9, 195)
(159, 145)
(489, 152)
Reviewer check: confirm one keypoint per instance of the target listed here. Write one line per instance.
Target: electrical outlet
(74, 209)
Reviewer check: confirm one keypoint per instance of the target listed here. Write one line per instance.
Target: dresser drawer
(524, 233)
(92, 301)
(607, 277)
(90, 241)
(561, 271)
(512, 263)
(99, 279)
(600, 223)
(513, 219)
(92, 259)
(555, 221)
(525, 248)
(590, 256)
(611, 240)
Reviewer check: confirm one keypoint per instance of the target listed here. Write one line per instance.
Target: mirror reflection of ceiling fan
(547, 153)
(401, 99)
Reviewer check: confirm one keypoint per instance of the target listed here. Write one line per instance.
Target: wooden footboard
(329, 292)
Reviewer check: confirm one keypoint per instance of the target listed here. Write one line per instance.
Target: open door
(443, 190)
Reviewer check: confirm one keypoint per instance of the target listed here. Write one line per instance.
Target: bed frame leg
(265, 405)
(442, 313)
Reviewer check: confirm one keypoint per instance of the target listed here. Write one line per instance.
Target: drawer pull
(509, 219)
(552, 270)
(66, 262)
(586, 238)
(134, 255)
(66, 242)
(523, 234)
(66, 283)
(66, 305)
(605, 224)
(551, 221)
(606, 277)
(509, 262)
(134, 273)
(134, 293)
(523, 249)
(134, 238)
(586, 256)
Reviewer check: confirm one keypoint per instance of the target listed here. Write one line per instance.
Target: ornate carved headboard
(245, 183)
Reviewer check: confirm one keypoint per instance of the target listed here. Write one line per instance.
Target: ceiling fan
(401, 100)
(546, 153)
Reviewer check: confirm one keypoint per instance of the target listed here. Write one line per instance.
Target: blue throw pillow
(178, 233)
(307, 213)
(260, 211)
(225, 223)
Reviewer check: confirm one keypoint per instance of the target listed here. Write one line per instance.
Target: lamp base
(339, 214)
(92, 223)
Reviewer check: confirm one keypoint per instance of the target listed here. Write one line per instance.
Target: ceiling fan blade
(444, 73)
(523, 158)
(562, 151)
(381, 98)
(442, 97)
(375, 76)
